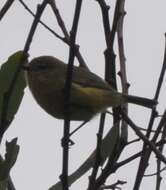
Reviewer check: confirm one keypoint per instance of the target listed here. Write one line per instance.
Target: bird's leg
(80, 126)
(71, 142)
(108, 112)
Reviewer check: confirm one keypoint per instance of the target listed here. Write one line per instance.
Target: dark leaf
(7, 72)
(12, 150)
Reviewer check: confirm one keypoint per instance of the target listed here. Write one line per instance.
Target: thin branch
(162, 74)
(126, 161)
(160, 126)
(143, 129)
(133, 141)
(67, 87)
(5, 8)
(106, 23)
(110, 69)
(109, 53)
(59, 19)
(113, 186)
(153, 174)
(122, 73)
(110, 76)
(154, 139)
(66, 34)
(97, 162)
(40, 9)
(144, 138)
(161, 148)
(161, 142)
(145, 156)
(42, 23)
(64, 39)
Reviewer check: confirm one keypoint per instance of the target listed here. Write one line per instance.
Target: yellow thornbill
(90, 94)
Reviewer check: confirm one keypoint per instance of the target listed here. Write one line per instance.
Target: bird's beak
(26, 67)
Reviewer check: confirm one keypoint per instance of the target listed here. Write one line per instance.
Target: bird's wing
(85, 78)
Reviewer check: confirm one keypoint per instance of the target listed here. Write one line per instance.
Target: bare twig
(109, 54)
(144, 138)
(41, 22)
(66, 34)
(133, 141)
(147, 151)
(158, 176)
(145, 156)
(113, 186)
(122, 73)
(110, 76)
(64, 176)
(110, 69)
(5, 8)
(40, 9)
(126, 161)
(161, 142)
(97, 162)
(106, 23)
(156, 173)
(59, 18)
(143, 129)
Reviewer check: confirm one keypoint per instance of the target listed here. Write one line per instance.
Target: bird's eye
(39, 66)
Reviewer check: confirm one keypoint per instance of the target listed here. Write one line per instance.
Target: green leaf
(7, 73)
(12, 150)
(3, 185)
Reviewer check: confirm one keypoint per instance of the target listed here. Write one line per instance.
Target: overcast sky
(39, 162)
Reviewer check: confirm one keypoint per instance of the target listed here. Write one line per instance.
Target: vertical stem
(67, 94)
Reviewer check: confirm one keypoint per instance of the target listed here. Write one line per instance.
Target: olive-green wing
(86, 78)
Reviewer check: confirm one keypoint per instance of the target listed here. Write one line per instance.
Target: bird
(90, 94)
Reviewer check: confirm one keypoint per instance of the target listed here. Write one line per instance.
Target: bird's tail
(140, 101)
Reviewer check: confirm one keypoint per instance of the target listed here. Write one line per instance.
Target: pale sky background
(39, 162)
